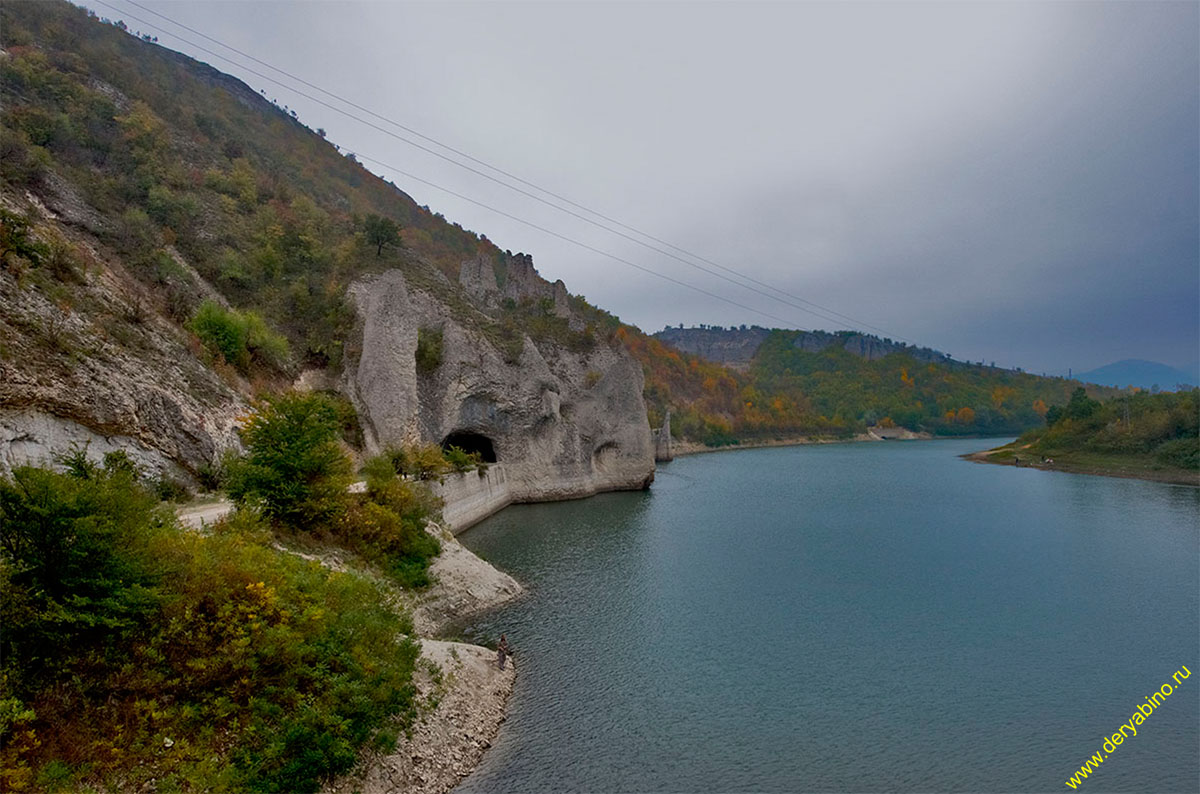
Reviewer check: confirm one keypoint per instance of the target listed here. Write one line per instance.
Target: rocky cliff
(735, 347)
(490, 281)
(88, 360)
(563, 424)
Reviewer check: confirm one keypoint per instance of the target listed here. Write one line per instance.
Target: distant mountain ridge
(746, 384)
(1138, 372)
(736, 347)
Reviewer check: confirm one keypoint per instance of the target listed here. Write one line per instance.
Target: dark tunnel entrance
(471, 442)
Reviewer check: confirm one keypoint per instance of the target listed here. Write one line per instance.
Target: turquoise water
(854, 617)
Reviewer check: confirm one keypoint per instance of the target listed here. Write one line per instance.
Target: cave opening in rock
(471, 442)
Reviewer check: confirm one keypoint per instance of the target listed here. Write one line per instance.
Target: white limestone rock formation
(562, 424)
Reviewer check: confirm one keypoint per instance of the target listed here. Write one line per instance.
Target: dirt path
(199, 516)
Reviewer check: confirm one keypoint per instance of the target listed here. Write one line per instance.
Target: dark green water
(857, 617)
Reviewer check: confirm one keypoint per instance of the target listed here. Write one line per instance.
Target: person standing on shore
(502, 651)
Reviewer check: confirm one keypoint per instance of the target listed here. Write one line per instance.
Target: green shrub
(171, 209)
(1181, 452)
(268, 671)
(426, 462)
(222, 332)
(418, 461)
(398, 457)
(75, 568)
(350, 428)
(24, 162)
(262, 344)
(241, 338)
(18, 248)
(379, 470)
(169, 489)
(461, 461)
(387, 526)
(294, 472)
(429, 350)
(211, 476)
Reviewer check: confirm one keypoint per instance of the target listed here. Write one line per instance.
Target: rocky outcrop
(30, 437)
(735, 347)
(663, 451)
(563, 424)
(463, 585)
(864, 346)
(490, 281)
(96, 365)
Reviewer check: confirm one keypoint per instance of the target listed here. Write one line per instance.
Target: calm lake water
(852, 617)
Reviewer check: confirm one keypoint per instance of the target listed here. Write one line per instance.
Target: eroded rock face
(521, 281)
(733, 348)
(86, 375)
(562, 424)
(736, 347)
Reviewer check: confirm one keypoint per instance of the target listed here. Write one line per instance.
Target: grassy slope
(1153, 437)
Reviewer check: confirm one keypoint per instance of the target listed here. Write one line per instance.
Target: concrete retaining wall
(470, 498)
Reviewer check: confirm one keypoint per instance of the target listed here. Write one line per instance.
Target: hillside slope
(174, 244)
(789, 384)
(1142, 435)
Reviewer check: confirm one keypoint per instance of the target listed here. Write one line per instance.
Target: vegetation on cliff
(296, 476)
(166, 161)
(175, 158)
(1140, 434)
(134, 651)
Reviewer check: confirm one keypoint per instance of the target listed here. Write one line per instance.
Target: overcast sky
(1015, 182)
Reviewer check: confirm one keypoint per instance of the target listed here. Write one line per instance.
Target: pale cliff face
(105, 371)
(563, 424)
(736, 347)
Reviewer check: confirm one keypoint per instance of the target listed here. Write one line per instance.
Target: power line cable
(510, 216)
(822, 311)
(816, 312)
(573, 241)
(523, 181)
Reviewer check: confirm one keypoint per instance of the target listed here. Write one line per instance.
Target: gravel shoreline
(1171, 477)
(461, 693)
(680, 449)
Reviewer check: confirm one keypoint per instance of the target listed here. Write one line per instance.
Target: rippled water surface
(855, 617)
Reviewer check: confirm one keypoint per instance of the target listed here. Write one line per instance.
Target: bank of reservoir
(857, 617)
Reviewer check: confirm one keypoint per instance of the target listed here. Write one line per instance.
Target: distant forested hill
(799, 383)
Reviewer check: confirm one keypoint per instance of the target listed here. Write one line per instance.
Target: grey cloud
(1005, 181)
